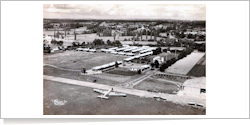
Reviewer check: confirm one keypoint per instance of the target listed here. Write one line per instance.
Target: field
(65, 99)
(78, 59)
(184, 65)
(103, 78)
(117, 77)
(199, 69)
(75, 75)
(156, 85)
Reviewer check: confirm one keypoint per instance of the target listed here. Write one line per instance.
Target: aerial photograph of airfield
(122, 59)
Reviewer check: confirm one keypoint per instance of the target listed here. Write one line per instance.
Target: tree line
(114, 43)
(97, 42)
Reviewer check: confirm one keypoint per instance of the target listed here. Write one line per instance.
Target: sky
(126, 11)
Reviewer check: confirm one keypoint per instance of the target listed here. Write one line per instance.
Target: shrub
(139, 71)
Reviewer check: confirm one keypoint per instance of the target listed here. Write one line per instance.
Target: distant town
(165, 31)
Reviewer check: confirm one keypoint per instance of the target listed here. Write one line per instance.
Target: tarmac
(175, 98)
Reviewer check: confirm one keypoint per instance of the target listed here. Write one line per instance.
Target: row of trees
(101, 42)
(167, 64)
(93, 26)
(71, 26)
(115, 43)
(202, 48)
(173, 60)
(185, 53)
(157, 51)
(155, 64)
(196, 37)
(162, 30)
(55, 42)
(78, 44)
(98, 42)
(74, 25)
(46, 26)
(173, 42)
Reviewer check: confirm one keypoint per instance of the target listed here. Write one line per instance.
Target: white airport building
(105, 66)
(194, 86)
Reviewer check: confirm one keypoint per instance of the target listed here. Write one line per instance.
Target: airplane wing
(100, 91)
(117, 94)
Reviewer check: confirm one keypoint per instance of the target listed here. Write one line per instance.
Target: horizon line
(122, 19)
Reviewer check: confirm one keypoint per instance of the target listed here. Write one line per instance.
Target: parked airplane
(107, 93)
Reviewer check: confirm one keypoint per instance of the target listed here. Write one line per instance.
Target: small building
(136, 67)
(106, 66)
(159, 59)
(194, 86)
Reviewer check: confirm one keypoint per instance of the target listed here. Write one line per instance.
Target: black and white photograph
(124, 62)
(124, 59)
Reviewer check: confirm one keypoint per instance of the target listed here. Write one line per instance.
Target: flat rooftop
(184, 65)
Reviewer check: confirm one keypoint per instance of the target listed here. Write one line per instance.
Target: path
(129, 84)
(134, 83)
(183, 100)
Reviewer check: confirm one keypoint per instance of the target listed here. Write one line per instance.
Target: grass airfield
(78, 59)
(65, 99)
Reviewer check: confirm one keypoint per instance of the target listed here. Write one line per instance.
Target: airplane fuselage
(106, 94)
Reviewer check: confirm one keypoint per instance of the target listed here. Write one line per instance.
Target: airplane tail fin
(102, 97)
